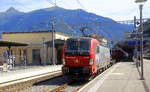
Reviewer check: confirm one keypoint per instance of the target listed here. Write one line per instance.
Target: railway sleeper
(16, 87)
(58, 89)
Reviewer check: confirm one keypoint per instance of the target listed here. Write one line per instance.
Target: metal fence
(9, 63)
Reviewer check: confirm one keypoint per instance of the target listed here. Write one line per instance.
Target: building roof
(47, 31)
(9, 44)
(57, 42)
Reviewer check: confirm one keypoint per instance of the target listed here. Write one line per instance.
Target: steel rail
(25, 83)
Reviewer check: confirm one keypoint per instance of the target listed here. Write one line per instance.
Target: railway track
(26, 83)
(47, 82)
(53, 85)
(69, 87)
(59, 84)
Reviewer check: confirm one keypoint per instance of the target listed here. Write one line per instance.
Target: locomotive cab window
(78, 47)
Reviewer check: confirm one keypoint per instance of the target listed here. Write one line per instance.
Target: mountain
(10, 12)
(64, 20)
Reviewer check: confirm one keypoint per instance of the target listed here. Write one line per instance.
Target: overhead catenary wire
(25, 7)
(70, 26)
(84, 24)
(65, 24)
(82, 6)
(98, 23)
(50, 2)
(113, 22)
(66, 4)
(104, 23)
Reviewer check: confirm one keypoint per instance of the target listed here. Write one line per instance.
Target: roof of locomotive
(86, 38)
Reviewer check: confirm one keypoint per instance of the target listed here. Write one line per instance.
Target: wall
(30, 38)
(35, 41)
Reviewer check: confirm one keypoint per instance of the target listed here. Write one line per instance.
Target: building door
(36, 59)
(59, 55)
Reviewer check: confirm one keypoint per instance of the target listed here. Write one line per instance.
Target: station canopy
(10, 43)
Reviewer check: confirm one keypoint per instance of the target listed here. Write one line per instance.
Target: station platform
(20, 73)
(122, 77)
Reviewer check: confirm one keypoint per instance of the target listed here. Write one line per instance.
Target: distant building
(37, 52)
(146, 36)
(134, 39)
(100, 38)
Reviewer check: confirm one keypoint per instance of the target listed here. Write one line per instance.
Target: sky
(118, 10)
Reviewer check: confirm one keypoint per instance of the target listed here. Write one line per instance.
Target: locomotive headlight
(76, 61)
(91, 61)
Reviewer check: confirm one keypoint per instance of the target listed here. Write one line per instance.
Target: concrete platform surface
(122, 77)
(23, 73)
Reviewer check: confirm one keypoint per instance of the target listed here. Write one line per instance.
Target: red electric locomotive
(83, 57)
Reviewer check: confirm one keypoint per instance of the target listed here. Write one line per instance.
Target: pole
(136, 43)
(135, 23)
(141, 41)
(53, 44)
(44, 53)
(9, 57)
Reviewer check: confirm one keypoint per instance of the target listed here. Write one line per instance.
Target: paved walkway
(30, 71)
(122, 77)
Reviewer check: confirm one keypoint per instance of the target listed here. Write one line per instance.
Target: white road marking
(99, 83)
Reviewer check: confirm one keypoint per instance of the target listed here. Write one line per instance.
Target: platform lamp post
(141, 3)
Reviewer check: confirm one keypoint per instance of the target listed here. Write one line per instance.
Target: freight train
(84, 57)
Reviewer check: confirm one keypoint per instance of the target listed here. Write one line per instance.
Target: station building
(39, 49)
(101, 39)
